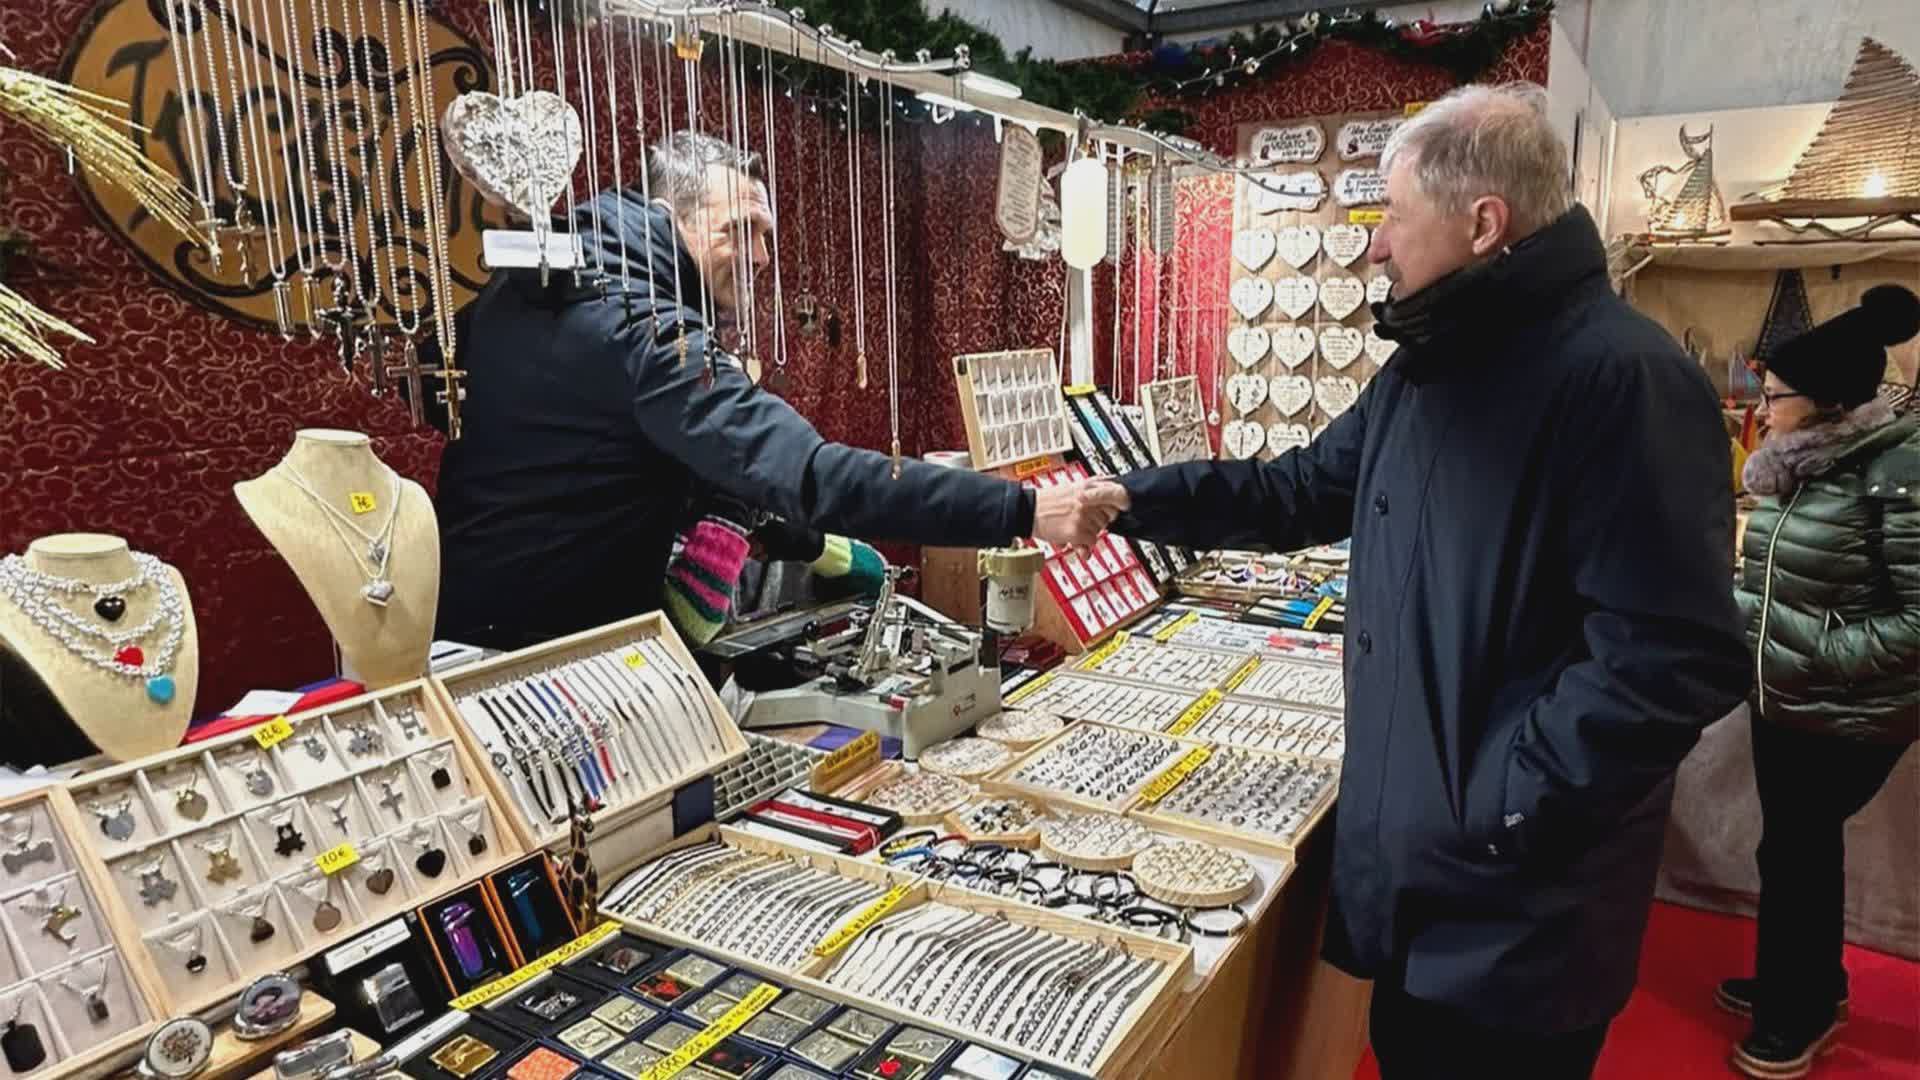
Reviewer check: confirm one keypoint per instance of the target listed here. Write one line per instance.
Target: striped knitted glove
(701, 578)
(851, 563)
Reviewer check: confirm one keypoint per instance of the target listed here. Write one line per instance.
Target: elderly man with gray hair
(1538, 621)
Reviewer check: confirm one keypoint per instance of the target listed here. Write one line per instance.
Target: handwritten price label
(1172, 630)
(1196, 712)
(730, 1021)
(635, 660)
(1366, 217)
(1099, 656)
(335, 859)
(1028, 689)
(362, 502)
(507, 983)
(1245, 672)
(1175, 775)
(1319, 610)
(273, 732)
(873, 913)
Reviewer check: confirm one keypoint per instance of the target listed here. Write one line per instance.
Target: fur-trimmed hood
(1779, 467)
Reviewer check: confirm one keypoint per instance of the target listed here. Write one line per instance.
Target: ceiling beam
(1234, 13)
(1119, 14)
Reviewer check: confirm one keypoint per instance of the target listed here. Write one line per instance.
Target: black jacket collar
(621, 221)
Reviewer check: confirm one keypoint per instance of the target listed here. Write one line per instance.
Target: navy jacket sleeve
(1301, 498)
(750, 445)
(1648, 539)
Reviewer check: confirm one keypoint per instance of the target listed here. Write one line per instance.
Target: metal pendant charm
(155, 888)
(377, 592)
(37, 851)
(364, 741)
(431, 862)
(196, 963)
(222, 867)
(190, 804)
(259, 783)
(60, 915)
(262, 930)
(22, 1046)
(442, 779)
(288, 840)
(380, 881)
(326, 917)
(477, 844)
(118, 825)
(315, 749)
(97, 1010)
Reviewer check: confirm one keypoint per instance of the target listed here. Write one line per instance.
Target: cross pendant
(450, 394)
(407, 371)
(372, 344)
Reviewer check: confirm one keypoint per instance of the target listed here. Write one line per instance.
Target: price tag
(273, 732)
(1172, 630)
(1176, 774)
(1414, 108)
(1366, 217)
(1080, 389)
(1099, 656)
(635, 660)
(730, 1021)
(1196, 712)
(871, 914)
(362, 502)
(847, 762)
(1245, 671)
(335, 859)
(480, 995)
(1033, 467)
(1313, 617)
(1028, 689)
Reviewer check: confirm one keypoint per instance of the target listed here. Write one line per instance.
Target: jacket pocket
(1489, 834)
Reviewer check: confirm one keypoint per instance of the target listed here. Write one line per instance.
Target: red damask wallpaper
(146, 432)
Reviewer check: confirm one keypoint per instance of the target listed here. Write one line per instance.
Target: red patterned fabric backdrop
(146, 432)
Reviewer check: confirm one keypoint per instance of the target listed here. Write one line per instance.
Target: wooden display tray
(860, 786)
(1002, 782)
(177, 999)
(652, 626)
(964, 381)
(1261, 843)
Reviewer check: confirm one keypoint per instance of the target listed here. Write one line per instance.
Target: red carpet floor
(1671, 1028)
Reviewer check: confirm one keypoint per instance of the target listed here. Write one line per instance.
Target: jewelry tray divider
(652, 627)
(1135, 1027)
(1197, 829)
(1001, 782)
(418, 697)
(968, 373)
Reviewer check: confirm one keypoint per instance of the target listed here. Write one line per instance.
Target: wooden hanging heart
(1274, 192)
(1342, 296)
(1293, 344)
(1341, 345)
(1298, 244)
(1379, 287)
(1284, 437)
(1290, 393)
(1253, 247)
(518, 153)
(1247, 392)
(1243, 438)
(1295, 295)
(1335, 394)
(1379, 349)
(1345, 243)
(1251, 296)
(1248, 344)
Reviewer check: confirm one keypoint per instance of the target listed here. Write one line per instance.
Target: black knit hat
(1842, 360)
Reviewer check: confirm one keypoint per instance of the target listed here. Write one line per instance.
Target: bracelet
(1187, 918)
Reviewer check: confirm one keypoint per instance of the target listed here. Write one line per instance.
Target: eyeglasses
(1768, 399)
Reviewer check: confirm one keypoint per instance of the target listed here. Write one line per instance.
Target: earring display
(1116, 704)
(1258, 798)
(1099, 588)
(1092, 763)
(1012, 405)
(918, 796)
(966, 757)
(1192, 874)
(1256, 725)
(1020, 729)
(1093, 841)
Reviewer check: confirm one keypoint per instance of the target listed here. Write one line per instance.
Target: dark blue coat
(1538, 625)
(587, 439)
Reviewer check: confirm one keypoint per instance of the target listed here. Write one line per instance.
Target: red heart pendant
(131, 656)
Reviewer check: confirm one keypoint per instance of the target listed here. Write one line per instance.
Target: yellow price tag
(1414, 108)
(1172, 630)
(1366, 217)
(1099, 656)
(1196, 712)
(1081, 389)
(273, 732)
(1028, 689)
(480, 995)
(871, 914)
(1176, 774)
(1033, 467)
(730, 1021)
(1245, 671)
(362, 502)
(635, 660)
(335, 859)
(1313, 617)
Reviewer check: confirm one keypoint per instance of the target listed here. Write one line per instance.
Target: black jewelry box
(617, 961)
(547, 1005)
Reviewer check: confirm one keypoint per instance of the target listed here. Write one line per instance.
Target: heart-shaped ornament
(1298, 244)
(1293, 344)
(1243, 438)
(1291, 393)
(1295, 295)
(1379, 349)
(1249, 344)
(1284, 437)
(1246, 392)
(1342, 296)
(1341, 345)
(380, 881)
(1251, 296)
(431, 862)
(516, 152)
(1335, 394)
(1379, 288)
(1253, 247)
(1345, 243)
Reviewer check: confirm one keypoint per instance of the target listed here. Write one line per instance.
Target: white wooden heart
(1293, 344)
(1247, 392)
(1293, 191)
(516, 152)
(1335, 394)
(1360, 187)
(1298, 244)
(1251, 296)
(1379, 287)
(1295, 295)
(1342, 296)
(1341, 345)
(1253, 247)
(1379, 349)
(1284, 437)
(1243, 438)
(1345, 243)
(1291, 393)
(1361, 139)
(1248, 344)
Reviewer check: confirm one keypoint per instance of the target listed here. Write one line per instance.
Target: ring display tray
(1302, 789)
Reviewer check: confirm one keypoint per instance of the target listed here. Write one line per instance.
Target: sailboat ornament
(1683, 202)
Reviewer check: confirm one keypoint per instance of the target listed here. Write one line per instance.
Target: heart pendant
(130, 655)
(196, 963)
(377, 592)
(262, 930)
(190, 804)
(431, 862)
(519, 153)
(476, 844)
(110, 608)
(326, 917)
(380, 881)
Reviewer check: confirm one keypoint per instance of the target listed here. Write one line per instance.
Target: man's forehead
(725, 186)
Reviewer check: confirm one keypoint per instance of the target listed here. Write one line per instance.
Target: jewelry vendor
(592, 418)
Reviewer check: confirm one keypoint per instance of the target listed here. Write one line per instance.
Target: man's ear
(1491, 216)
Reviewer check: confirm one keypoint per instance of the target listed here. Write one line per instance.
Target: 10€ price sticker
(337, 858)
(273, 732)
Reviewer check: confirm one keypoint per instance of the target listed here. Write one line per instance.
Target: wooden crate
(1196, 829)
(1002, 782)
(652, 626)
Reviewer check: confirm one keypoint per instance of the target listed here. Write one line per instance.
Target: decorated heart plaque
(1295, 295)
(516, 152)
(1345, 243)
(1253, 247)
(1341, 345)
(1284, 437)
(1379, 349)
(1290, 393)
(1272, 192)
(1379, 288)
(1246, 392)
(1293, 344)
(1362, 139)
(1297, 145)
(1251, 296)
(1248, 344)
(1298, 245)
(1360, 187)
(1335, 394)
(1342, 296)
(1243, 438)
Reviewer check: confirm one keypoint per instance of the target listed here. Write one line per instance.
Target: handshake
(1074, 515)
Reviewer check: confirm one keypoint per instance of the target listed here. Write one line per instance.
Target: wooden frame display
(1155, 817)
(1004, 781)
(258, 848)
(1176, 420)
(1012, 405)
(645, 757)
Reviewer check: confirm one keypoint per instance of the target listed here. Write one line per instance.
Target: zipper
(1766, 601)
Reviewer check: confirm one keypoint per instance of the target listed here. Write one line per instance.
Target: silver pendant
(118, 825)
(259, 783)
(377, 592)
(376, 552)
(316, 749)
(155, 889)
(364, 741)
(24, 853)
(190, 804)
(97, 1007)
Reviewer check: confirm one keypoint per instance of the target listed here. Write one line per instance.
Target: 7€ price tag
(362, 502)
(335, 859)
(273, 732)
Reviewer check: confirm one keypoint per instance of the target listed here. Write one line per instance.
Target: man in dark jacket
(1538, 623)
(593, 420)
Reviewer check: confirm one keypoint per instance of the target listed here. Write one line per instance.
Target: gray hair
(677, 167)
(1488, 140)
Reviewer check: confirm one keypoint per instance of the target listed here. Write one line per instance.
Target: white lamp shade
(1083, 213)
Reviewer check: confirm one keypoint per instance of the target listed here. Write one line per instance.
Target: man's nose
(1379, 250)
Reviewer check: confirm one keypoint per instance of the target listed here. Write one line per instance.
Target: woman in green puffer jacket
(1831, 592)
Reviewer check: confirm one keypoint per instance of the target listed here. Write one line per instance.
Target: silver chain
(33, 592)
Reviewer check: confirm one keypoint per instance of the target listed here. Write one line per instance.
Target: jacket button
(1380, 504)
(1366, 642)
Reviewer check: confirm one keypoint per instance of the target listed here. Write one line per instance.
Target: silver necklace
(856, 204)
(34, 593)
(379, 543)
(92, 993)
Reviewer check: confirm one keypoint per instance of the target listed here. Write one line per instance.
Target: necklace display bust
(129, 696)
(364, 544)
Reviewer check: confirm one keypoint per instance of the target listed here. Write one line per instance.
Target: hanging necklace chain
(258, 139)
(186, 72)
(398, 190)
(22, 585)
(305, 205)
(91, 989)
(892, 265)
(773, 201)
(145, 568)
(613, 129)
(348, 257)
(234, 165)
(379, 201)
(379, 543)
(856, 204)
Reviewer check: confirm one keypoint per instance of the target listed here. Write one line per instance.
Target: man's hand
(1074, 515)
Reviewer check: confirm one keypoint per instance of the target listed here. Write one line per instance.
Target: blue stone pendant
(160, 689)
